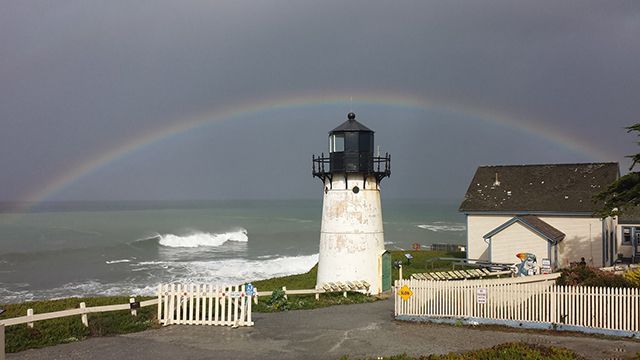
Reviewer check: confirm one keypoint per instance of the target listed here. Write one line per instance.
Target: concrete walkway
(355, 330)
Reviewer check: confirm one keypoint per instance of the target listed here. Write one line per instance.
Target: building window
(336, 143)
(626, 235)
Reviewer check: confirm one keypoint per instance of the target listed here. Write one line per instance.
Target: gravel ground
(355, 330)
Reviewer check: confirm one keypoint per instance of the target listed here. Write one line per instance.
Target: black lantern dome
(351, 151)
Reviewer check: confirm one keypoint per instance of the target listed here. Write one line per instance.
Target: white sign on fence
(249, 289)
(481, 295)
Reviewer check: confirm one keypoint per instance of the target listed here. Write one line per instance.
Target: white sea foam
(222, 272)
(442, 226)
(117, 261)
(228, 271)
(197, 239)
(242, 270)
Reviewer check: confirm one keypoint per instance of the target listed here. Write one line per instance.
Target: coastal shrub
(633, 276)
(278, 301)
(588, 276)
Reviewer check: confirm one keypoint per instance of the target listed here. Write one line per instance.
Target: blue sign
(249, 289)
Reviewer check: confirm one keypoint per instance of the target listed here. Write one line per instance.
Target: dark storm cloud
(79, 78)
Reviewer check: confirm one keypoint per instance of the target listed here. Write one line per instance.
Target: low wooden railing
(82, 310)
(344, 288)
(30, 318)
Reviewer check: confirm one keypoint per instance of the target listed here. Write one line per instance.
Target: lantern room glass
(336, 143)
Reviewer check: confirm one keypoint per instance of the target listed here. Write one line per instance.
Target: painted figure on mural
(528, 264)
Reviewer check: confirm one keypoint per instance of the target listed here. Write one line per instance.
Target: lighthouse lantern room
(351, 235)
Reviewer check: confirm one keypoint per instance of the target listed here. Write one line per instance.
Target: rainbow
(291, 102)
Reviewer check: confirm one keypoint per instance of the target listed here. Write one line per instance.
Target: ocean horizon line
(13, 207)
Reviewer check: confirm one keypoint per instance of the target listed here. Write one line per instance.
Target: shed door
(386, 271)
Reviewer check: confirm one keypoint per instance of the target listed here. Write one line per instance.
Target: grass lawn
(276, 301)
(508, 351)
(70, 329)
(422, 261)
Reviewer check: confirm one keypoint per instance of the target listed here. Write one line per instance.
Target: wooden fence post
(317, 293)
(160, 286)
(284, 288)
(400, 272)
(85, 319)
(255, 296)
(134, 312)
(2, 342)
(30, 313)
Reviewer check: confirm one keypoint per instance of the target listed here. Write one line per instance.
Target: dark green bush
(588, 276)
(278, 300)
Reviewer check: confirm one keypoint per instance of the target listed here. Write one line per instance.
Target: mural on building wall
(528, 264)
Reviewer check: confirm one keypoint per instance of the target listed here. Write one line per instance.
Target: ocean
(126, 248)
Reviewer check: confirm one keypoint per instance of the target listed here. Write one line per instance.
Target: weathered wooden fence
(195, 304)
(509, 302)
(82, 310)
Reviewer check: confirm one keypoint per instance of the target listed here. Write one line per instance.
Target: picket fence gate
(581, 308)
(195, 304)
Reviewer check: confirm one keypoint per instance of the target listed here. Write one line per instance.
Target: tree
(624, 193)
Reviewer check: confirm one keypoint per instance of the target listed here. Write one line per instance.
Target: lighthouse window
(336, 143)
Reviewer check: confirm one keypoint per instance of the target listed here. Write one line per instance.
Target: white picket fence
(511, 302)
(195, 304)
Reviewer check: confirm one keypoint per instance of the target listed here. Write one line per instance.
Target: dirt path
(329, 333)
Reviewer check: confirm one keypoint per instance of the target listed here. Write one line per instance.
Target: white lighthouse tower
(352, 237)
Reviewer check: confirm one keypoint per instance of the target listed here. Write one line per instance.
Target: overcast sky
(490, 82)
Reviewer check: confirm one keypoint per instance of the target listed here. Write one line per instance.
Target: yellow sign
(405, 293)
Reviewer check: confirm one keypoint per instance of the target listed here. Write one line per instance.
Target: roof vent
(496, 182)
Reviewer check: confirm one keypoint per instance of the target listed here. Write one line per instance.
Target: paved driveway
(329, 333)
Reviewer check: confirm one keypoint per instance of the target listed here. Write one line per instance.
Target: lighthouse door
(386, 271)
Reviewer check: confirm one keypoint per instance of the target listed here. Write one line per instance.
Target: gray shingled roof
(534, 223)
(538, 188)
(351, 125)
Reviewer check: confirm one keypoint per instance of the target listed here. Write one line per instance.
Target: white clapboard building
(547, 210)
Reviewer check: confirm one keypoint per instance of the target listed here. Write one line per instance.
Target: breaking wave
(151, 273)
(442, 226)
(197, 239)
(109, 262)
(232, 271)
